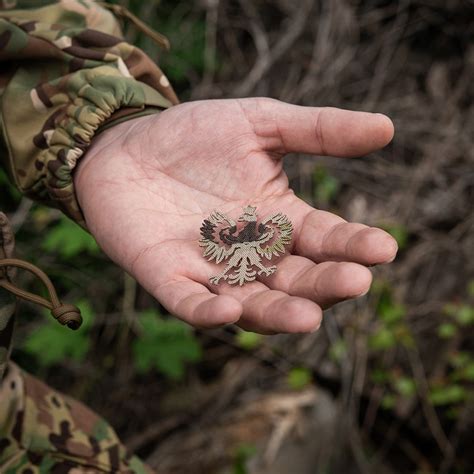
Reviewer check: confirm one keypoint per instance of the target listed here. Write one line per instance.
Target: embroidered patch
(243, 244)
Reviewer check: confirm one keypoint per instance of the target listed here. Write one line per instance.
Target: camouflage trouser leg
(44, 431)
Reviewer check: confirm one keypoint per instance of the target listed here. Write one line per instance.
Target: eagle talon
(268, 270)
(215, 279)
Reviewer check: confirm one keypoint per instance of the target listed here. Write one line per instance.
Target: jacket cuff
(95, 98)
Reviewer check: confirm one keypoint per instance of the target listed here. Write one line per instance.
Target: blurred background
(386, 384)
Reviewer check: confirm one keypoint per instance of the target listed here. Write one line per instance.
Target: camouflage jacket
(65, 72)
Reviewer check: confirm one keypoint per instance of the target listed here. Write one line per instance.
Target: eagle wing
(280, 235)
(213, 250)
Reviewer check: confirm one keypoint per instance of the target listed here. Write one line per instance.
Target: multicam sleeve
(65, 72)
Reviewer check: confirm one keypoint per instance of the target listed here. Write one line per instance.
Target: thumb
(285, 128)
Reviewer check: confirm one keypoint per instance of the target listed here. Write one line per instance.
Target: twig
(263, 63)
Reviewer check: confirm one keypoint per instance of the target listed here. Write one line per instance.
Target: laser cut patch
(244, 246)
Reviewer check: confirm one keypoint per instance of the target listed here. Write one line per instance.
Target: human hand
(146, 185)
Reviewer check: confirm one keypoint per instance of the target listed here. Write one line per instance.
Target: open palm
(146, 185)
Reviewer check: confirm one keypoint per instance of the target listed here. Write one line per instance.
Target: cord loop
(66, 314)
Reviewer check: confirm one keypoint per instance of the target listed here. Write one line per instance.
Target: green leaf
(243, 454)
(86, 313)
(389, 310)
(470, 288)
(459, 359)
(52, 343)
(447, 330)
(388, 401)
(465, 315)
(405, 386)
(382, 339)
(69, 240)
(467, 373)
(248, 340)
(165, 345)
(391, 313)
(326, 186)
(463, 364)
(299, 378)
(447, 395)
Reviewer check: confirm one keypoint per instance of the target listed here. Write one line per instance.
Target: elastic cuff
(99, 99)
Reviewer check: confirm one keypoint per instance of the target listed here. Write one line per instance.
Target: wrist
(107, 160)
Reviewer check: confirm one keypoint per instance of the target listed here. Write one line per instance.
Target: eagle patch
(244, 244)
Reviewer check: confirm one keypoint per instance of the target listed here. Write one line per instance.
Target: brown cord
(66, 314)
(119, 10)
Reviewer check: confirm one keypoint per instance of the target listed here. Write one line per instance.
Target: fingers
(195, 304)
(285, 128)
(324, 236)
(178, 276)
(268, 311)
(326, 284)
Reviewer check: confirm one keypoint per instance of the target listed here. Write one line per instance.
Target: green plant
(460, 315)
(447, 394)
(392, 328)
(463, 365)
(69, 240)
(299, 378)
(326, 186)
(244, 453)
(447, 330)
(382, 339)
(248, 340)
(405, 386)
(164, 344)
(52, 343)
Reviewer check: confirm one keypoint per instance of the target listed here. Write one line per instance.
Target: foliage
(326, 186)
(68, 239)
(248, 340)
(187, 38)
(458, 316)
(447, 330)
(405, 386)
(463, 366)
(9, 192)
(243, 454)
(382, 339)
(447, 394)
(463, 314)
(185, 27)
(299, 378)
(164, 344)
(52, 343)
(391, 328)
